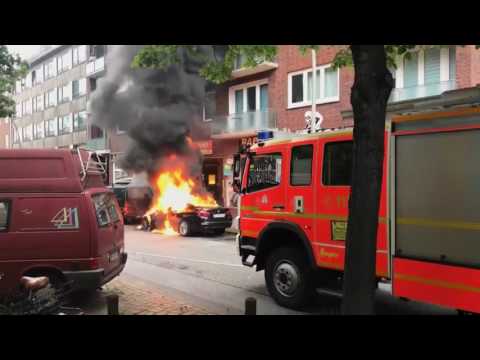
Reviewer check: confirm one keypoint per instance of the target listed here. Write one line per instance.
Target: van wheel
(184, 228)
(289, 279)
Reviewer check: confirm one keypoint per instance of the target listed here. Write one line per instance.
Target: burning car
(182, 205)
(193, 220)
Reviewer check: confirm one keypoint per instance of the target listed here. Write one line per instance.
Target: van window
(265, 171)
(105, 208)
(4, 212)
(337, 163)
(301, 165)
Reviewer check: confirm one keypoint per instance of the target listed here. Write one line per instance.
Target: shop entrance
(213, 178)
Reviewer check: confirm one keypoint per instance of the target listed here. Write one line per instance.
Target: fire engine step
(331, 292)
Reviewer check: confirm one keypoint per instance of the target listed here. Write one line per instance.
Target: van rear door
(109, 238)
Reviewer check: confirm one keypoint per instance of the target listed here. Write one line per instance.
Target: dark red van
(58, 219)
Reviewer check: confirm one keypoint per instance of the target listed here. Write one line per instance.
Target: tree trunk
(370, 92)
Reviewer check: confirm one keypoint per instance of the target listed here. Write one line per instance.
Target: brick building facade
(282, 94)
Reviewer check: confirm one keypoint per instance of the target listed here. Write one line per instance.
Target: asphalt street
(206, 271)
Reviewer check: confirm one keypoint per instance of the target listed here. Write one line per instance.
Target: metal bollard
(251, 306)
(112, 304)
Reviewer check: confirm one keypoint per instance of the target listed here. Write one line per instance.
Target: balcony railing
(96, 66)
(421, 91)
(244, 122)
(240, 70)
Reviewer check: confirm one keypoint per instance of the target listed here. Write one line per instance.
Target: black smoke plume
(157, 108)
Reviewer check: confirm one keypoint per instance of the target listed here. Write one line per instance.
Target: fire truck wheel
(289, 280)
(184, 228)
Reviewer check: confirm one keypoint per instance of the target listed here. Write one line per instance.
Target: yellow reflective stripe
(437, 115)
(439, 223)
(249, 208)
(437, 283)
(249, 233)
(255, 209)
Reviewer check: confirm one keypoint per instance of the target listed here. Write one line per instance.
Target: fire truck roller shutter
(437, 208)
(278, 234)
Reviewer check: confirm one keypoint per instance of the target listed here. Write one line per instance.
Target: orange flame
(175, 192)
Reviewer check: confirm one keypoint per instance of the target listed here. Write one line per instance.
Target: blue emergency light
(264, 135)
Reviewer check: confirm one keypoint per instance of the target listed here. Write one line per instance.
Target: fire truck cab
(58, 219)
(294, 207)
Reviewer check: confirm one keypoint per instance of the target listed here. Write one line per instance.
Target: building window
(65, 93)
(16, 135)
(51, 127)
(27, 107)
(65, 125)
(50, 69)
(97, 51)
(248, 97)
(64, 62)
(80, 121)
(423, 73)
(337, 163)
(39, 132)
(18, 110)
(96, 132)
(38, 103)
(37, 76)
(209, 106)
(51, 98)
(79, 87)
(79, 54)
(27, 133)
(93, 84)
(300, 86)
(301, 165)
(4, 214)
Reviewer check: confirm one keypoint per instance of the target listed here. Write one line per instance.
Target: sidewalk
(137, 298)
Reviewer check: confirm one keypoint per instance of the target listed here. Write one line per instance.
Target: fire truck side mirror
(236, 166)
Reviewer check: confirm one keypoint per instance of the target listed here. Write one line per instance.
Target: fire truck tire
(290, 280)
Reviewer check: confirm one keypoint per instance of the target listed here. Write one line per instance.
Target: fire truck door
(264, 198)
(334, 168)
(300, 188)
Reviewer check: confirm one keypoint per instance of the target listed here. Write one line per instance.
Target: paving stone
(139, 298)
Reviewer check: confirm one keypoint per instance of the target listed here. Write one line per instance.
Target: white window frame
(244, 87)
(54, 103)
(60, 124)
(305, 103)
(82, 91)
(35, 130)
(444, 68)
(27, 130)
(47, 127)
(76, 115)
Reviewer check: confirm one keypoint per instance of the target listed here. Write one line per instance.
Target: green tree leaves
(11, 69)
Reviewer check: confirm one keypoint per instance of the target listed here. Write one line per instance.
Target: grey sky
(25, 51)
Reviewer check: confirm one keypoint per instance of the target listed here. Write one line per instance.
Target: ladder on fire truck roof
(93, 165)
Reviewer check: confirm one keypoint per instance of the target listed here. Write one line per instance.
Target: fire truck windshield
(264, 171)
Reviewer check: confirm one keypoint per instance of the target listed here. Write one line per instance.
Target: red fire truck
(294, 209)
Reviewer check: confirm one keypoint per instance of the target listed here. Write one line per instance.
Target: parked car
(195, 220)
(58, 219)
